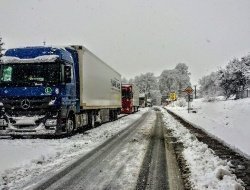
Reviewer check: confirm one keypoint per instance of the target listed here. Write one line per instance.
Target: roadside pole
(195, 91)
(189, 91)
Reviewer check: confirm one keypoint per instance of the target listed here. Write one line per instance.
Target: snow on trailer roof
(39, 59)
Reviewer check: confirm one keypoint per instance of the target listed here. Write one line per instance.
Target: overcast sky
(135, 36)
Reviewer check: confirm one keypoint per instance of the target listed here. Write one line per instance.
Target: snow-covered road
(30, 162)
(113, 165)
(22, 160)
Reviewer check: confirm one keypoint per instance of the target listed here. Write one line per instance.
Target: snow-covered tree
(168, 82)
(155, 95)
(146, 82)
(183, 76)
(209, 86)
(234, 78)
(230, 81)
(1, 47)
(175, 80)
(246, 62)
(225, 82)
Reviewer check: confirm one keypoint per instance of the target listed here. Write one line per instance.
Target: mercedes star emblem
(25, 104)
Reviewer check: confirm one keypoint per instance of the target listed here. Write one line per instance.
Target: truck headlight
(3, 122)
(1, 107)
(51, 122)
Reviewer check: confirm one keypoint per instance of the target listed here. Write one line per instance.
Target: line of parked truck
(56, 90)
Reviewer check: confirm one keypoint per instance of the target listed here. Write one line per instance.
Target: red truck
(130, 98)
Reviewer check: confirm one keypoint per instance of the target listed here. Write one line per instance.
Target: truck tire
(70, 125)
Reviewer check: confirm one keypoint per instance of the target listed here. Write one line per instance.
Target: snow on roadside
(22, 160)
(207, 171)
(227, 121)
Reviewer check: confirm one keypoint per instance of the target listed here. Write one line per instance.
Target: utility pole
(195, 91)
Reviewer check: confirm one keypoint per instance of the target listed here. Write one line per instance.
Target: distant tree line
(228, 81)
(173, 80)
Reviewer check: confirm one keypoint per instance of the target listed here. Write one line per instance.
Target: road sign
(172, 96)
(188, 90)
(189, 97)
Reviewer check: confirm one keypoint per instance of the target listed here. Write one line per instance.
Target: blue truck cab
(39, 91)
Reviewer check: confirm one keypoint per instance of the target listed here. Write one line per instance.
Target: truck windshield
(27, 74)
(126, 93)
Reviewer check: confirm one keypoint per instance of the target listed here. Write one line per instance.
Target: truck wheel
(70, 125)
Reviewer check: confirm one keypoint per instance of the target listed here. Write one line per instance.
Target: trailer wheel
(91, 120)
(115, 115)
(112, 115)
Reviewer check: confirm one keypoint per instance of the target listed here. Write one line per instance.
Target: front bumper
(28, 132)
(27, 126)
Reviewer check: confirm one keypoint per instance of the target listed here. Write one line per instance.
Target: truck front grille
(36, 106)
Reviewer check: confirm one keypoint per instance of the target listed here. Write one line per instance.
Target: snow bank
(208, 171)
(39, 59)
(228, 121)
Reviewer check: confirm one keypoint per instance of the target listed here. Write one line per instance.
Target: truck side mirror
(67, 74)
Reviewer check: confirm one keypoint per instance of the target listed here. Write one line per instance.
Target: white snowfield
(207, 171)
(227, 121)
(23, 160)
